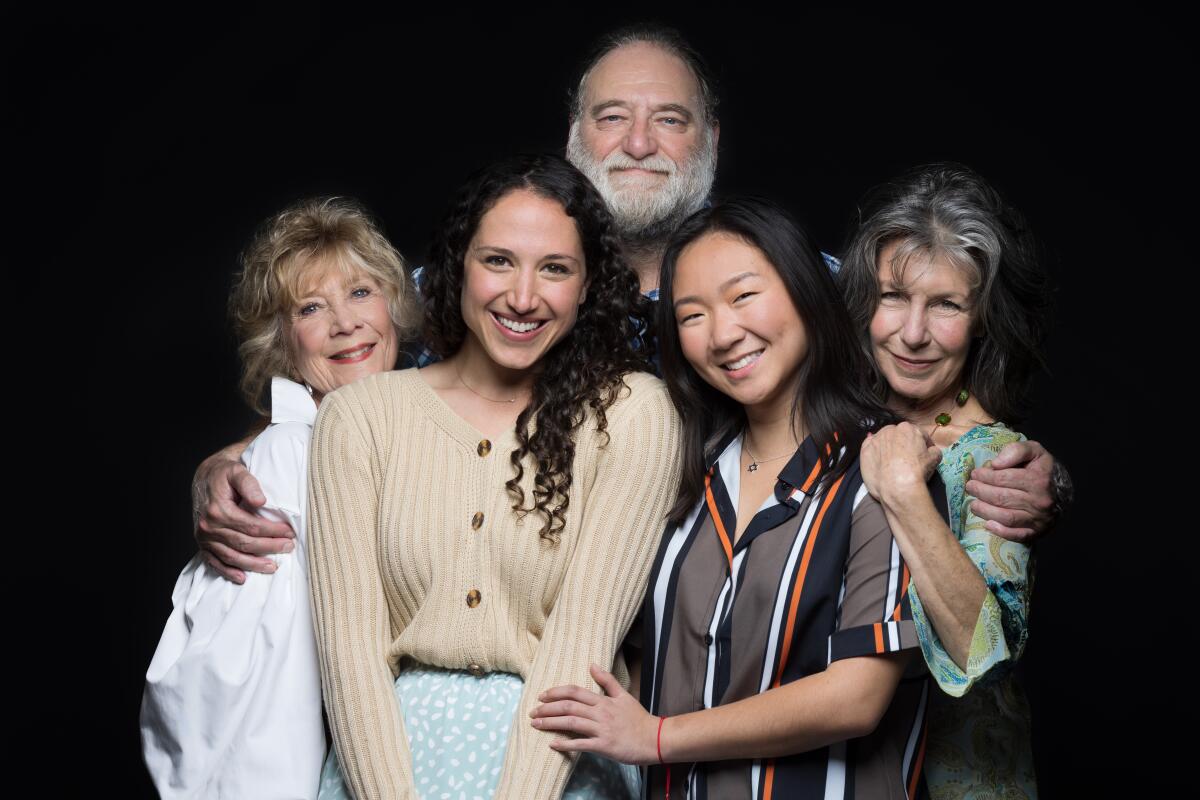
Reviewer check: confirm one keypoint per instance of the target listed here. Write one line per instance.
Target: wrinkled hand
(896, 459)
(1013, 492)
(230, 535)
(613, 724)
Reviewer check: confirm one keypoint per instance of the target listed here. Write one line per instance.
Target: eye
(671, 121)
(360, 292)
(948, 305)
(495, 261)
(743, 296)
(892, 297)
(308, 309)
(556, 268)
(686, 318)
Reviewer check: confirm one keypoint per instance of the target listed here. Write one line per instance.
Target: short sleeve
(875, 615)
(1001, 628)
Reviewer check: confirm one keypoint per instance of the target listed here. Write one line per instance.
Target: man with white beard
(643, 128)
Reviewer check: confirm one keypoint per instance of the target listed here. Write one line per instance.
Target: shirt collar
(291, 402)
(792, 478)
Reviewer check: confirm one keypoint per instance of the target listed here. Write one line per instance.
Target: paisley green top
(978, 743)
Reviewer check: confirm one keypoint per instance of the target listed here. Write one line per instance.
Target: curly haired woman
(482, 528)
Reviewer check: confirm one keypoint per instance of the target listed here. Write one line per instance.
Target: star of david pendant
(753, 466)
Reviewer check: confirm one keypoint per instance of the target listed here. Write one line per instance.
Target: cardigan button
(708, 640)
(473, 598)
(475, 670)
(484, 448)
(477, 520)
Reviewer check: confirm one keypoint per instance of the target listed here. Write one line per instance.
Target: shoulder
(279, 443)
(278, 459)
(371, 396)
(981, 444)
(642, 394)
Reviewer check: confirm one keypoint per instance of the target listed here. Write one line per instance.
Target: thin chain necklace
(754, 462)
(477, 394)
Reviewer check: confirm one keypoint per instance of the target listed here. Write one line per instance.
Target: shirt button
(484, 448)
(473, 598)
(477, 520)
(708, 640)
(475, 670)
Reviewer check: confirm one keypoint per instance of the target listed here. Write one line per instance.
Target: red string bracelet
(661, 720)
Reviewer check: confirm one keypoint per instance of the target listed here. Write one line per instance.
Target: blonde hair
(322, 232)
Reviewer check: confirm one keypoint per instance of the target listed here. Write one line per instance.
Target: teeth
(513, 325)
(743, 361)
(354, 353)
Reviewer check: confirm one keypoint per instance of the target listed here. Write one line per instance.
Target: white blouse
(232, 705)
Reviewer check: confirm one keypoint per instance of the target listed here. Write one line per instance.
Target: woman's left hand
(613, 724)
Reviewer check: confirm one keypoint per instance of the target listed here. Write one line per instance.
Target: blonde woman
(232, 705)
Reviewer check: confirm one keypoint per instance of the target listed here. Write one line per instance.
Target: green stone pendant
(942, 418)
(961, 400)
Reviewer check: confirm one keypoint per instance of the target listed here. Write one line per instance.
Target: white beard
(647, 209)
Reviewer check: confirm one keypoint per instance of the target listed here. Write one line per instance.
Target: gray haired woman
(943, 277)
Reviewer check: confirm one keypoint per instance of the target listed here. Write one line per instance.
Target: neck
(923, 412)
(773, 431)
(645, 259)
(476, 369)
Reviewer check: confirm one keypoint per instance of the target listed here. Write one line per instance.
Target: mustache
(655, 163)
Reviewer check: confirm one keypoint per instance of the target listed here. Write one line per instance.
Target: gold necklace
(754, 462)
(477, 394)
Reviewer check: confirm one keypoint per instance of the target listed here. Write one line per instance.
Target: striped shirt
(815, 577)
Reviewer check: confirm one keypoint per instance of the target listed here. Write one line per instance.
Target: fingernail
(536, 723)
(270, 567)
(289, 546)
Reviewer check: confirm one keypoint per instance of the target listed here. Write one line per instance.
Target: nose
(726, 331)
(522, 295)
(343, 319)
(639, 140)
(915, 332)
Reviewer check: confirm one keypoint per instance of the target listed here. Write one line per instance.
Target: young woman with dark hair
(777, 626)
(482, 528)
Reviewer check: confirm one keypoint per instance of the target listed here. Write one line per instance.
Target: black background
(180, 135)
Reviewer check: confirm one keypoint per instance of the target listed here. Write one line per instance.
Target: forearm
(950, 587)
(845, 701)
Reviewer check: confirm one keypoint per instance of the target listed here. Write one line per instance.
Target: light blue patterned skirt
(457, 728)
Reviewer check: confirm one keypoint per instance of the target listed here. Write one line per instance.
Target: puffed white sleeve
(232, 703)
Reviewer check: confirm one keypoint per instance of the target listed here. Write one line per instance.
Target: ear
(716, 134)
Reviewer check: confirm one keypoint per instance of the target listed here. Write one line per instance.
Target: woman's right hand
(897, 459)
(230, 537)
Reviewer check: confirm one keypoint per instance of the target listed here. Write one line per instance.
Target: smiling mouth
(516, 326)
(911, 364)
(743, 362)
(357, 354)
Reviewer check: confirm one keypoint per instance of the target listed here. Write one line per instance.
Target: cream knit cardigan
(415, 553)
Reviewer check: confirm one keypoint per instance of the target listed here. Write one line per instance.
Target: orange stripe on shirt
(726, 542)
(793, 606)
(903, 591)
(920, 760)
(794, 601)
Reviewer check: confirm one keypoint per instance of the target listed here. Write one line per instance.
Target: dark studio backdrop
(204, 126)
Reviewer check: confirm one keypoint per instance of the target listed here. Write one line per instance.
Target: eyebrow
(682, 111)
(741, 276)
(509, 254)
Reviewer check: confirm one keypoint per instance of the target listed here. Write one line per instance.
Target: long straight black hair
(834, 399)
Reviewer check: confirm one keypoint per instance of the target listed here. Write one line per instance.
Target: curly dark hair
(583, 370)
